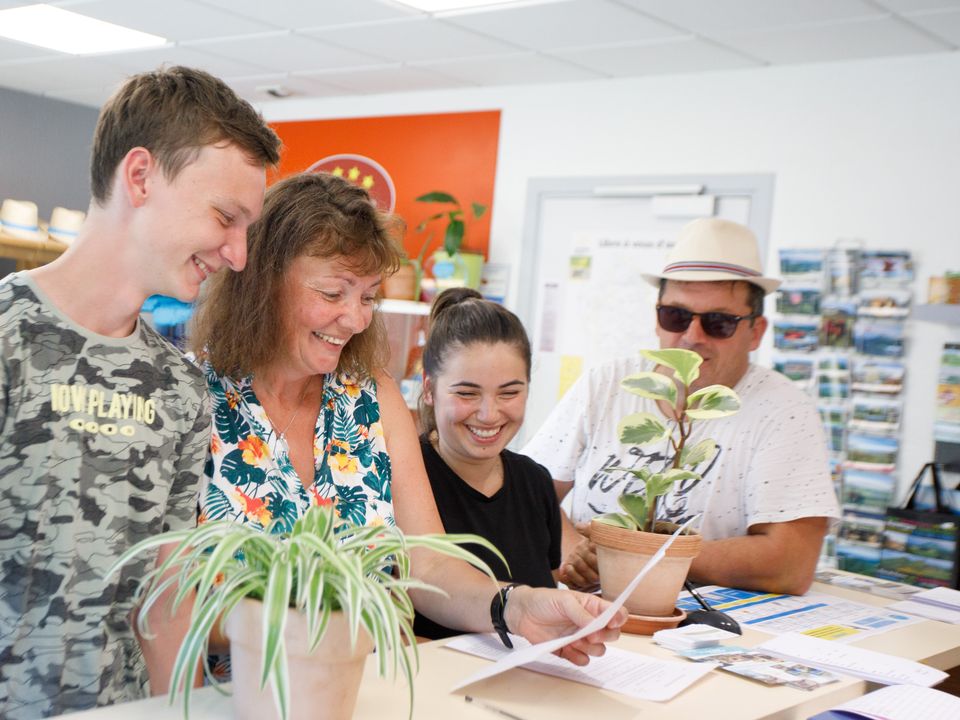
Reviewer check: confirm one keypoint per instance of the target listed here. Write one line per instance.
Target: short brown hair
(316, 214)
(461, 317)
(174, 113)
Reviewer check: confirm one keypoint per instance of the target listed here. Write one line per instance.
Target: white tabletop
(532, 696)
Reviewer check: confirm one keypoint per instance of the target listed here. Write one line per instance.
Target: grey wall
(44, 153)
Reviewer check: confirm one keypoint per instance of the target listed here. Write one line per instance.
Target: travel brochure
(814, 614)
(762, 667)
(946, 426)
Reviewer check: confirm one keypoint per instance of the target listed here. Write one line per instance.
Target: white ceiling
(326, 48)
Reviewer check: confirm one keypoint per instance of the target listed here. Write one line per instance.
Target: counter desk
(526, 695)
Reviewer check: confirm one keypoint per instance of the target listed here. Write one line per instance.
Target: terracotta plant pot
(620, 555)
(323, 684)
(402, 285)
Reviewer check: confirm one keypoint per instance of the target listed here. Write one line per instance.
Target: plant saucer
(649, 624)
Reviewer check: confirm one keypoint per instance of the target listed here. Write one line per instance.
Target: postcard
(872, 449)
(891, 303)
(878, 337)
(798, 301)
(857, 558)
(797, 368)
(878, 376)
(832, 386)
(862, 528)
(867, 490)
(922, 553)
(876, 414)
(795, 335)
(806, 263)
(885, 267)
(843, 271)
(836, 414)
(836, 323)
(833, 363)
(836, 434)
(763, 667)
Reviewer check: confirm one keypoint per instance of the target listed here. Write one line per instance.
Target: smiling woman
(476, 375)
(304, 413)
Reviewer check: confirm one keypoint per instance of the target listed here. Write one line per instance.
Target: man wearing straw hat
(766, 496)
(104, 426)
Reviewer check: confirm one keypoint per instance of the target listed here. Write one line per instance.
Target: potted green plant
(626, 540)
(450, 261)
(302, 609)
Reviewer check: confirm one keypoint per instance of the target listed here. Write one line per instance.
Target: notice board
(586, 241)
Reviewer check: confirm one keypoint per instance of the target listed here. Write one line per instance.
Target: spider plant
(322, 565)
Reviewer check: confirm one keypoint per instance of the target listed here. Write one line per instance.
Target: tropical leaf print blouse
(249, 477)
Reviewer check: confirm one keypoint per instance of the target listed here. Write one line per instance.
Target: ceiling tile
(515, 69)
(299, 14)
(253, 88)
(669, 56)
(13, 50)
(563, 24)
(385, 79)
(840, 41)
(944, 25)
(286, 52)
(171, 19)
(909, 7)
(411, 39)
(143, 60)
(707, 16)
(62, 73)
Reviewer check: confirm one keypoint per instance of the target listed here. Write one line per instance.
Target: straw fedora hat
(711, 249)
(65, 224)
(19, 219)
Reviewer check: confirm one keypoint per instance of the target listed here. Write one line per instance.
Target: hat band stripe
(711, 267)
(19, 226)
(62, 231)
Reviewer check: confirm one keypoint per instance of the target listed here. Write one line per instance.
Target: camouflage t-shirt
(102, 444)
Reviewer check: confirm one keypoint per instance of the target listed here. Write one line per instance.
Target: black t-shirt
(522, 519)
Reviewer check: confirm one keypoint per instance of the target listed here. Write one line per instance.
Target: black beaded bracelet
(498, 608)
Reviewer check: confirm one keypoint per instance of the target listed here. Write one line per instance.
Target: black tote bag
(920, 547)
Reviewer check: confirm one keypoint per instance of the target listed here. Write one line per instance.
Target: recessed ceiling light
(70, 32)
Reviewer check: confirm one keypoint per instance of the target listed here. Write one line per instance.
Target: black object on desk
(708, 616)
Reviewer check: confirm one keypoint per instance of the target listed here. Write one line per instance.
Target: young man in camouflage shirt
(104, 426)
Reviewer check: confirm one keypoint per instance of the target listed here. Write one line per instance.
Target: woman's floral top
(249, 477)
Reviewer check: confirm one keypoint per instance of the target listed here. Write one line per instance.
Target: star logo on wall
(363, 172)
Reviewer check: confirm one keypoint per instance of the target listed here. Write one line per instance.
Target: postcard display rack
(839, 333)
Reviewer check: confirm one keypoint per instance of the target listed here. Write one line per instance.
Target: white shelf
(404, 307)
(941, 313)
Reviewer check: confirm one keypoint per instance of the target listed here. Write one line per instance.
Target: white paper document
(931, 612)
(517, 657)
(940, 596)
(904, 702)
(621, 671)
(867, 664)
(940, 603)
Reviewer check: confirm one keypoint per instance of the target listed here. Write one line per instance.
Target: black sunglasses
(715, 324)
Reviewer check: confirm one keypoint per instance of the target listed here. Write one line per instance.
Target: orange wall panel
(452, 152)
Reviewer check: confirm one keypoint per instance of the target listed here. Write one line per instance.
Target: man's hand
(540, 614)
(579, 569)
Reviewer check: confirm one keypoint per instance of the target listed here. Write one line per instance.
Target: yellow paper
(570, 368)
